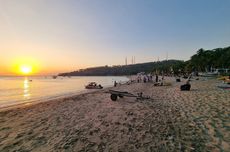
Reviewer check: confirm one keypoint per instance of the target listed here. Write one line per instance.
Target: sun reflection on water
(26, 89)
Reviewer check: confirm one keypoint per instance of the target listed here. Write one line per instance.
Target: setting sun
(25, 69)
(25, 66)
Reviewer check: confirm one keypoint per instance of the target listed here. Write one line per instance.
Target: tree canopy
(206, 59)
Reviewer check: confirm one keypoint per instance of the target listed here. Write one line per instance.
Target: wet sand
(196, 120)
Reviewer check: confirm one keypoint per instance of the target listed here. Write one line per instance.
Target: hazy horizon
(54, 36)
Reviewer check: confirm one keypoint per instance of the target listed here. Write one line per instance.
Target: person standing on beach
(144, 79)
(138, 79)
(115, 83)
(162, 80)
(156, 78)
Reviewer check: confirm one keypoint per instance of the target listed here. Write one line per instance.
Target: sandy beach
(172, 120)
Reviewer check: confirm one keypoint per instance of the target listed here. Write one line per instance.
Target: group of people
(149, 78)
(157, 81)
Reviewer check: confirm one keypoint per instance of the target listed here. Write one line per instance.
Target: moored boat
(93, 85)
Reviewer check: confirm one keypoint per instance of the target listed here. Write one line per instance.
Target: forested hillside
(127, 69)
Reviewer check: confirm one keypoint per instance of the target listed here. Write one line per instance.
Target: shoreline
(52, 99)
(9, 103)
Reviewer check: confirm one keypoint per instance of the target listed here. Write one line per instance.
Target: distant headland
(203, 60)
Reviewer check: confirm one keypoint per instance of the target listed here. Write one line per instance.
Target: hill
(127, 69)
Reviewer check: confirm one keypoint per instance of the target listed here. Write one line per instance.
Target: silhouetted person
(144, 79)
(156, 78)
(115, 83)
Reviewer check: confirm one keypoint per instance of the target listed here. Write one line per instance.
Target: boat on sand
(93, 85)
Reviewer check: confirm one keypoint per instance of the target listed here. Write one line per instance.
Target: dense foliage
(203, 60)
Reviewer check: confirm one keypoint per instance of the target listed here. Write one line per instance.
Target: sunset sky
(64, 35)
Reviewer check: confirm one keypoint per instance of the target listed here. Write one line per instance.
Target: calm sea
(27, 90)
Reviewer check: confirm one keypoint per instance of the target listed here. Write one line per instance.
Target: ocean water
(27, 90)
